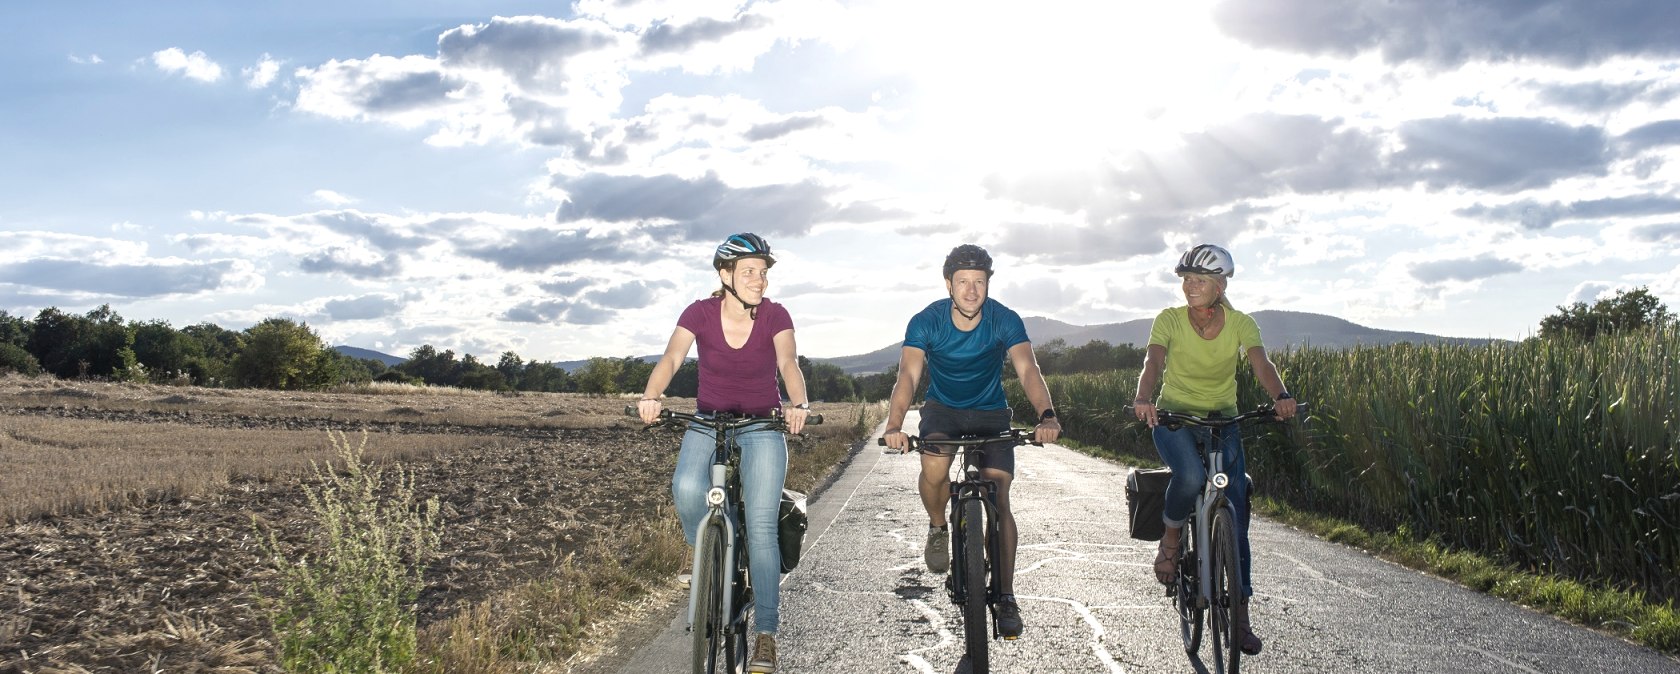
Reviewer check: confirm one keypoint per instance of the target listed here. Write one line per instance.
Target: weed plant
(348, 606)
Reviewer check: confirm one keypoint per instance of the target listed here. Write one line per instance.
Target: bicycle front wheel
(1226, 579)
(973, 528)
(707, 585)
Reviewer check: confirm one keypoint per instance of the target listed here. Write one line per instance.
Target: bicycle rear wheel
(1227, 592)
(975, 619)
(707, 584)
(1186, 589)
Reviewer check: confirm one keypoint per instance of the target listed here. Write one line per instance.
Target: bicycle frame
(725, 506)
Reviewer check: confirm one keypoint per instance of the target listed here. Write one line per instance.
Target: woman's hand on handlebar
(795, 418)
(1145, 412)
(648, 410)
(896, 439)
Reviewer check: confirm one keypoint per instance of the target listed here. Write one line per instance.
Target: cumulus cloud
(1448, 33)
(537, 311)
(263, 73)
(666, 37)
(1506, 154)
(90, 59)
(533, 51)
(632, 295)
(349, 263)
(541, 248)
(372, 228)
(783, 127)
(378, 305)
(1664, 233)
(1463, 269)
(1595, 96)
(193, 66)
(1655, 134)
(123, 280)
(706, 208)
(1530, 214)
(331, 198)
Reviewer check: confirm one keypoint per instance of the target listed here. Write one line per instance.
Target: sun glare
(1064, 84)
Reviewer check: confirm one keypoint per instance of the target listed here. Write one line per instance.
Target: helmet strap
(966, 316)
(752, 309)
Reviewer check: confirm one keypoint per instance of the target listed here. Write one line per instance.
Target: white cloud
(90, 59)
(263, 73)
(332, 198)
(194, 66)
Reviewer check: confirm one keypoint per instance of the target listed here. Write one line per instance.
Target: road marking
(946, 638)
(1097, 631)
(1316, 575)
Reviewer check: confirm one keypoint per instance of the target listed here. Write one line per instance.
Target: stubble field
(129, 514)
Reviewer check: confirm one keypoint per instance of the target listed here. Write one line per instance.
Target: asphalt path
(861, 600)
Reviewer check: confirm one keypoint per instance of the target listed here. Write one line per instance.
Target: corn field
(1555, 456)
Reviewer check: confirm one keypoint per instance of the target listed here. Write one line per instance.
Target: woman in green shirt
(1198, 348)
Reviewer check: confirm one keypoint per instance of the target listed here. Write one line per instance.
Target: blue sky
(550, 178)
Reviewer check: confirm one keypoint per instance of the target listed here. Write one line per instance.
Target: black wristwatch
(1284, 396)
(1049, 413)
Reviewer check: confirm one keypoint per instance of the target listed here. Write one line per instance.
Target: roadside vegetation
(1544, 471)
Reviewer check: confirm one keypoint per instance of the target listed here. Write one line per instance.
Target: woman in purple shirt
(744, 341)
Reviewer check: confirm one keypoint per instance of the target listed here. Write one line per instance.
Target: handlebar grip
(881, 441)
(813, 419)
(630, 411)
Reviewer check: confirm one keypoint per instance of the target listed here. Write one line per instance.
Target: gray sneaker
(937, 553)
(764, 655)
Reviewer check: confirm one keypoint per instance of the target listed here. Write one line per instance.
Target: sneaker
(937, 554)
(1008, 618)
(764, 655)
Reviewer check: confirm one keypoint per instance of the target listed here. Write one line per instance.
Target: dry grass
(62, 466)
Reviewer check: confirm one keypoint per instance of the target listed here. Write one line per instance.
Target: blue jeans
(1178, 450)
(763, 470)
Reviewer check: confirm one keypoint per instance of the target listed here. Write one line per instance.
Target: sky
(551, 178)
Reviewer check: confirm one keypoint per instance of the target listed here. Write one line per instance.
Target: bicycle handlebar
(1182, 419)
(1018, 436)
(722, 422)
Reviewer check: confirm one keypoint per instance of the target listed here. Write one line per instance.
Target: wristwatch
(803, 406)
(1285, 396)
(1049, 413)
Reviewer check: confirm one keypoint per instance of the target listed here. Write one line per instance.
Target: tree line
(280, 353)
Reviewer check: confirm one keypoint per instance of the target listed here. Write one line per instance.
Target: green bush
(348, 604)
(15, 358)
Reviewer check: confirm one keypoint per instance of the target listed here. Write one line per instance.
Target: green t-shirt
(1201, 374)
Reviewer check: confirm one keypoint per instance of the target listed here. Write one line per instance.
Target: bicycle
(1215, 599)
(974, 536)
(720, 597)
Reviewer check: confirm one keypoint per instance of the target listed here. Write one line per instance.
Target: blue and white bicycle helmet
(1206, 259)
(743, 245)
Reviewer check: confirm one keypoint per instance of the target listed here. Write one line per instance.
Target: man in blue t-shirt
(963, 341)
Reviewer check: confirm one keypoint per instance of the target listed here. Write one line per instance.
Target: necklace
(1204, 326)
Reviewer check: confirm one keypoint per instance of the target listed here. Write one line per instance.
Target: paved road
(861, 601)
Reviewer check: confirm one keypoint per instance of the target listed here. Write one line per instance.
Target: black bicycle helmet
(1206, 259)
(968, 256)
(745, 244)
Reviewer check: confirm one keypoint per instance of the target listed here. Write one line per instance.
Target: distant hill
(353, 352)
(1279, 329)
(573, 365)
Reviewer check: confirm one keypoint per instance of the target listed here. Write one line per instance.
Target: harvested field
(160, 570)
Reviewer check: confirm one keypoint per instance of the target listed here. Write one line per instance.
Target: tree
(282, 354)
(163, 351)
(14, 330)
(14, 358)
(432, 367)
(599, 375)
(1627, 310)
(511, 367)
(217, 347)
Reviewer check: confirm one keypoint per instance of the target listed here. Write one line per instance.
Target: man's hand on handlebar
(1047, 431)
(896, 439)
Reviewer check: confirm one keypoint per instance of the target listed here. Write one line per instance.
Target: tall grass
(1559, 457)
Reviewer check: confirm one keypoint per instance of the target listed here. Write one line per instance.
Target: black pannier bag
(1146, 498)
(790, 528)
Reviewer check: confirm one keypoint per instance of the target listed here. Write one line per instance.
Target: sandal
(1249, 641)
(1166, 560)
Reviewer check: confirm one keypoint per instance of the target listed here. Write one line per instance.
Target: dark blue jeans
(1178, 450)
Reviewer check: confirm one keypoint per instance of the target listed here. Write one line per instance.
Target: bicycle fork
(716, 500)
(1213, 498)
(956, 579)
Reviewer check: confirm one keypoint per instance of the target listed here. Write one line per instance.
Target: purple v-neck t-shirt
(736, 380)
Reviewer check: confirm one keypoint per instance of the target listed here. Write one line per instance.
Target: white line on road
(1508, 663)
(1096, 631)
(1316, 575)
(945, 638)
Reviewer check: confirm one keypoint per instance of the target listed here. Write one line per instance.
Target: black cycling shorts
(937, 419)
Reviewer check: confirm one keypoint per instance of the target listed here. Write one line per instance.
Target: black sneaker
(1008, 618)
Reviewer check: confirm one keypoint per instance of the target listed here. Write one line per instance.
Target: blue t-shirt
(965, 369)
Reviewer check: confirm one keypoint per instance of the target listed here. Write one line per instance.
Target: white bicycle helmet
(1206, 259)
